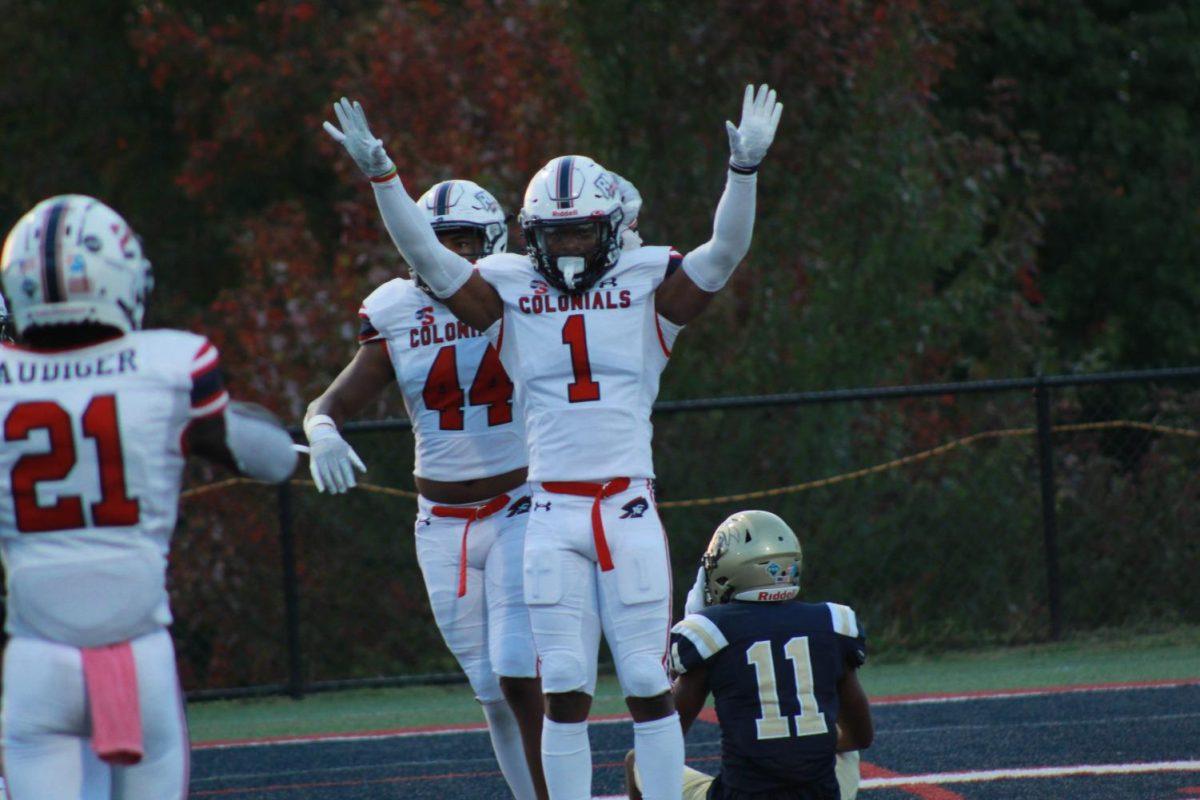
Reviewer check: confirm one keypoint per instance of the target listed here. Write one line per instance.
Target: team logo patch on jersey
(519, 507)
(539, 287)
(425, 315)
(635, 508)
(542, 506)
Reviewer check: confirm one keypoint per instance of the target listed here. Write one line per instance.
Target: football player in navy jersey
(784, 673)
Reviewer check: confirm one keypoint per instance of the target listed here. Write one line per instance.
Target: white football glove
(749, 141)
(331, 459)
(695, 598)
(355, 135)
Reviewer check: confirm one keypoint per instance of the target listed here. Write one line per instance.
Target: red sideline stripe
(384, 733)
(923, 791)
(708, 714)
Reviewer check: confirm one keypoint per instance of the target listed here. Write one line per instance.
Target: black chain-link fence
(982, 513)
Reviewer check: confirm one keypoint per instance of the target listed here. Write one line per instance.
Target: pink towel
(112, 689)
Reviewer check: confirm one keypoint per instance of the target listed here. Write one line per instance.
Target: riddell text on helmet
(785, 594)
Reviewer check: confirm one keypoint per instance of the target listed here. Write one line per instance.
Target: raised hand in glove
(331, 459)
(750, 140)
(355, 135)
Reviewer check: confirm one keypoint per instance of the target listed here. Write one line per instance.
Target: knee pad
(487, 690)
(642, 675)
(563, 671)
(515, 664)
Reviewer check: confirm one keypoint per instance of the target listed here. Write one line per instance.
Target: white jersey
(90, 470)
(458, 396)
(588, 365)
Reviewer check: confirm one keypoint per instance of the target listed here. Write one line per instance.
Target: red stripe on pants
(470, 514)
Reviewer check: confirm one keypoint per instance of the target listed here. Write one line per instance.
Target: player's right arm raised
(450, 276)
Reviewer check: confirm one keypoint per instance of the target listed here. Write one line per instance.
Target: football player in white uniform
(470, 472)
(585, 327)
(97, 418)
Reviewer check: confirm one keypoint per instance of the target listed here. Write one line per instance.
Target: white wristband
(316, 420)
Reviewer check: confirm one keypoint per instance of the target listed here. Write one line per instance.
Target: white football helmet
(73, 259)
(570, 192)
(464, 204)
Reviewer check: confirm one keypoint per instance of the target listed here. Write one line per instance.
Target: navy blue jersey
(773, 669)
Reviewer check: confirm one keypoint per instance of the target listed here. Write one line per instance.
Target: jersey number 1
(491, 388)
(574, 335)
(115, 509)
(772, 724)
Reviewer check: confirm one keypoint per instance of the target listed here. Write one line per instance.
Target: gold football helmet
(753, 555)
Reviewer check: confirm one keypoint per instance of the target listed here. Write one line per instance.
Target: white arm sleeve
(262, 449)
(710, 265)
(443, 270)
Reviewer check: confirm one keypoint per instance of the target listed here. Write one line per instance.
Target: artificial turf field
(1082, 720)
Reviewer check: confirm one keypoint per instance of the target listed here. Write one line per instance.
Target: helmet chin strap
(571, 267)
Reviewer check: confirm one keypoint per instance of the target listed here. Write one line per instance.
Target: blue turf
(1140, 725)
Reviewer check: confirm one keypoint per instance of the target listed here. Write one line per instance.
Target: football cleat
(753, 555)
(72, 260)
(572, 220)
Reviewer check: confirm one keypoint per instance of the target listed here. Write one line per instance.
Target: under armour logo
(540, 506)
(424, 520)
(635, 508)
(519, 507)
(607, 282)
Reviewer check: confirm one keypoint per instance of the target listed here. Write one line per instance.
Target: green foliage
(1112, 89)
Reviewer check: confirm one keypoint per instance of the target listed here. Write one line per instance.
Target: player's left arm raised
(688, 291)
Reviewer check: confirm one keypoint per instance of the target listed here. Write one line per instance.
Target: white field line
(1032, 772)
(1005, 695)
(1014, 774)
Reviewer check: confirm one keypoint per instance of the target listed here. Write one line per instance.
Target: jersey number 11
(772, 724)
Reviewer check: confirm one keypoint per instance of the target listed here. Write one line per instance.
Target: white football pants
(47, 726)
(487, 628)
(571, 598)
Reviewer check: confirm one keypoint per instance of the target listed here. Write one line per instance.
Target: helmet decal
(50, 253)
(441, 199)
(566, 170)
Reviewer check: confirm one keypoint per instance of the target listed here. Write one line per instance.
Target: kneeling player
(783, 673)
(97, 416)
